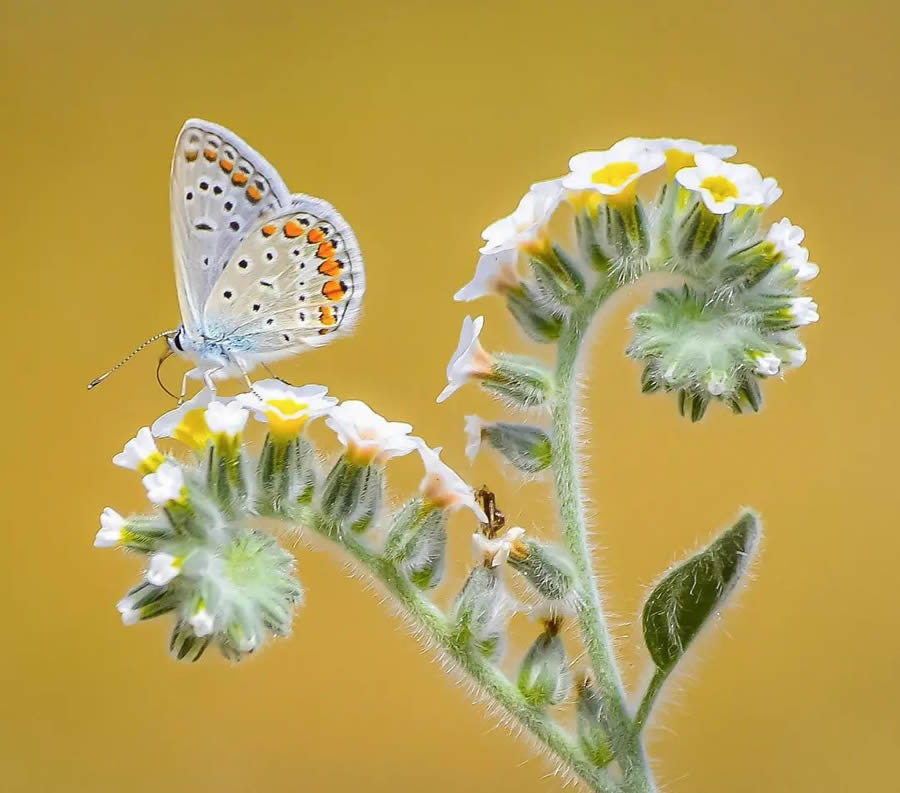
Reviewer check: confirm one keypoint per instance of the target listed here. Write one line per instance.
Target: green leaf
(685, 599)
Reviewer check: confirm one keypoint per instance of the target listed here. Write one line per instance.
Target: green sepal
(533, 316)
(523, 381)
(526, 447)
(185, 645)
(342, 491)
(547, 569)
(684, 600)
(417, 543)
(544, 673)
(478, 607)
(590, 726)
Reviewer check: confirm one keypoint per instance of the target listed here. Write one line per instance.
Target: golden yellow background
(423, 122)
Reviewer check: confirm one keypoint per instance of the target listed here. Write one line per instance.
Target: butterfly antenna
(167, 354)
(97, 380)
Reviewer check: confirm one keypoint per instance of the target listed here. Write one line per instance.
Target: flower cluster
(732, 325)
(229, 583)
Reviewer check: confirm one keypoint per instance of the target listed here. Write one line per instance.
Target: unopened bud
(528, 448)
(549, 572)
(534, 317)
(417, 543)
(523, 381)
(544, 674)
(593, 735)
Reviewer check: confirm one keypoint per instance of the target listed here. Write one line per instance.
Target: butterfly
(261, 274)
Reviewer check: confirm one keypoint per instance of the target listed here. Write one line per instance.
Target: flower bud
(591, 728)
(480, 609)
(534, 317)
(417, 543)
(544, 673)
(549, 572)
(558, 277)
(520, 380)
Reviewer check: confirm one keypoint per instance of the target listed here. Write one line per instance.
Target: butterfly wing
(219, 189)
(295, 281)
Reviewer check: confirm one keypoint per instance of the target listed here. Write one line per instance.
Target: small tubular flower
(202, 622)
(165, 484)
(803, 311)
(226, 418)
(614, 172)
(524, 228)
(495, 273)
(767, 364)
(795, 356)
(785, 239)
(285, 408)
(469, 360)
(111, 528)
(723, 185)
(495, 552)
(140, 453)
(442, 486)
(368, 437)
(187, 423)
(771, 191)
(163, 568)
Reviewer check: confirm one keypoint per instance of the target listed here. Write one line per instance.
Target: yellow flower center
(615, 174)
(676, 160)
(192, 430)
(720, 187)
(282, 427)
(150, 463)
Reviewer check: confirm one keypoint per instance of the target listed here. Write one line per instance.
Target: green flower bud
(480, 609)
(417, 543)
(591, 727)
(522, 381)
(544, 673)
(549, 571)
(534, 317)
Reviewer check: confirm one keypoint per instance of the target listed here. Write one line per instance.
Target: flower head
(613, 172)
(111, 527)
(524, 228)
(680, 152)
(165, 484)
(286, 408)
(442, 486)
(723, 185)
(473, 429)
(496, 551)
(140, 453)
(469, 360)
(187, 423)
(367, 436)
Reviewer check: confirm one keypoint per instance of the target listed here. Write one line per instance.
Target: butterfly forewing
(220, 188)
(295, 280)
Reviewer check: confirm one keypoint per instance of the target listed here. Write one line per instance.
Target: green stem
(485, 674)
(595, 633)
(653, 689)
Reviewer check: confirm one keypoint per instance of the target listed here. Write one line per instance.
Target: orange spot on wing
(292, 229)
(334, 290)
(239, 178)
(326, 315)
(331, 267)
(226, 165)
(325, 250)
(253, 193)
(210, 154)
(190, 156)
(269, 229)
(315, 235)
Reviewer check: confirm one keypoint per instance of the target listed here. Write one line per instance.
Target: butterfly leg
(272, 374)
(208, 379)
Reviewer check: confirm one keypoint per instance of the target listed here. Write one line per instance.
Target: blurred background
(424, 122)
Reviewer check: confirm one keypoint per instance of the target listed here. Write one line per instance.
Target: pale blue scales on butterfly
(261, 274)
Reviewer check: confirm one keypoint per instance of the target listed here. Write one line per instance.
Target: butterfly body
(261, 274)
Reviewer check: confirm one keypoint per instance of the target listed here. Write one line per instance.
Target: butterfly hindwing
(220, 187)
(296, 280)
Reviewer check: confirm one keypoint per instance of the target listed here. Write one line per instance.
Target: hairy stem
(626, 744)
(490, 679)
(643, 712)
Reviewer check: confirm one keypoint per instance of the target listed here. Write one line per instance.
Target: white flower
(442, 486)
(163, 568)
(111, 525)
(469, 360)
(165, 484)
(202, 622)
(140, 453)
(680, 152)
(767, 364)
(525, 225)
(497, 550)
(785, 239)
(473, 427)
(723, 185)
(125, 607)
(226, 418)
(286, 408)
(796, 356)
(716, 384)
(367, 436)
(615, 170)
(771, 191)
(187, 423)
(494, 274)
(803, 310)
(802, 269)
